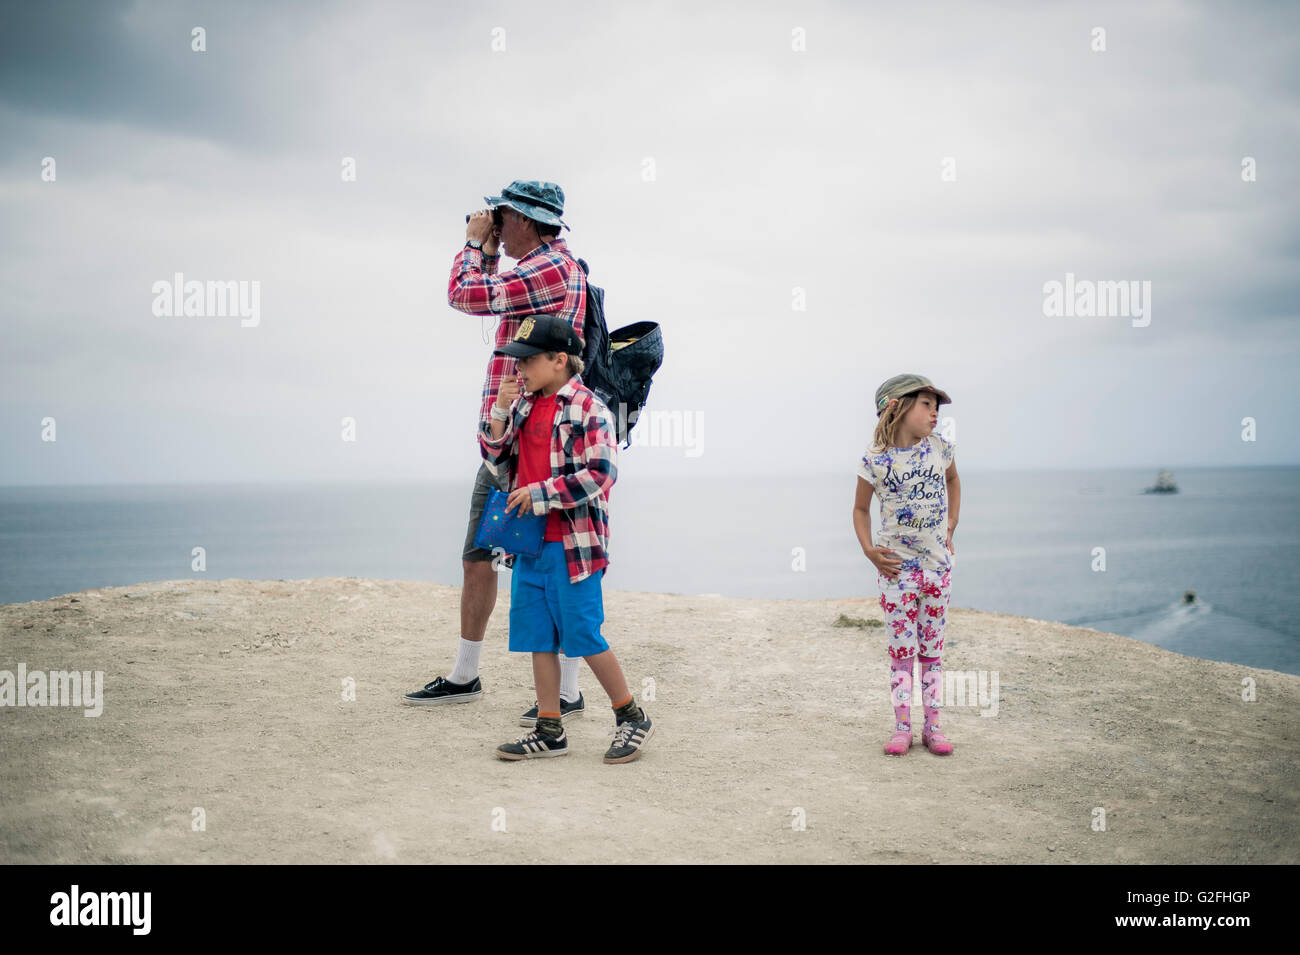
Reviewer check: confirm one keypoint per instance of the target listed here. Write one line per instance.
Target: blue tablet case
(512, 533)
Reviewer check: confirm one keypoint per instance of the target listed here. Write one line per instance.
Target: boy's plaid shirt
(584, 466)
(548, 279)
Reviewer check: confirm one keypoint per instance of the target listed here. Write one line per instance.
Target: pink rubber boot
(900, 693)
(931, 697)
(899, 743)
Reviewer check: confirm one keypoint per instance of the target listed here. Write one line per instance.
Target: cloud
(773, 170)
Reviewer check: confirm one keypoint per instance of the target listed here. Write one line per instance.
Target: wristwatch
(474, 244)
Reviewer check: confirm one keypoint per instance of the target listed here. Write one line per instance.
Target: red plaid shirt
(547, 279)
(584, 466)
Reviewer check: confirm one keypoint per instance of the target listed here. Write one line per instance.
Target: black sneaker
(442, 690)
(536, 745)
(566, 710)
(629, 737)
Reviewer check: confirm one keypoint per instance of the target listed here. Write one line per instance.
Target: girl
(911, 469)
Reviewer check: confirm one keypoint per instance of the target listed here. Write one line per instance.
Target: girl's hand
(948, 542)
(522, 499)
(888, 566)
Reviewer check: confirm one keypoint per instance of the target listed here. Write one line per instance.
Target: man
(548, 279)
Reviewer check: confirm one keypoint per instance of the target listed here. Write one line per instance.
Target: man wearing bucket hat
(525, 222)
(540, 201)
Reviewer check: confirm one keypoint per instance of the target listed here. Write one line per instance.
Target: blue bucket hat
(540, 201)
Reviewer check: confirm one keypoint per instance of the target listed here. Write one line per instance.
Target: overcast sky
(715, 157)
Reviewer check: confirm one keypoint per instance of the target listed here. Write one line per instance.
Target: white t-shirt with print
(913, 494)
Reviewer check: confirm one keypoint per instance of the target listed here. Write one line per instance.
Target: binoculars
(496, 217)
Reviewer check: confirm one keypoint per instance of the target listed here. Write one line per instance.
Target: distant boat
(1164, 484)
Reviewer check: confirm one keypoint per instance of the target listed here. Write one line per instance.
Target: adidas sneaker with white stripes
(535, 745)
(629, 737)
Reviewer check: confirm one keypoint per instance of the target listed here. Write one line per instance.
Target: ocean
(1026, 544)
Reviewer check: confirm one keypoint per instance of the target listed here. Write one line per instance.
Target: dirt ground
(770, 716)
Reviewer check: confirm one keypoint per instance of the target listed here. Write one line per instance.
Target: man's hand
(507, 393)
(888, 566)
(522, 499)
(480, 227)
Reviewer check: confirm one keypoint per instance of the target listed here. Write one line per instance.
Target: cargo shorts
(483, 482)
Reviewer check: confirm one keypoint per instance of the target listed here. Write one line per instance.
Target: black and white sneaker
(442, 690)
(566, 710)
(536, 745)
(629, 737)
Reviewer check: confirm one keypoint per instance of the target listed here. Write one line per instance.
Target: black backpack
(619, 367)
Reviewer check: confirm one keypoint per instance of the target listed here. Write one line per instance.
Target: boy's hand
(522, 499)
(508, 392)
(888, 566)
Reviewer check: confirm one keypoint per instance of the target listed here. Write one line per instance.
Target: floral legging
(915, 604)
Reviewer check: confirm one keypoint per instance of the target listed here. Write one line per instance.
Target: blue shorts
(550, 614)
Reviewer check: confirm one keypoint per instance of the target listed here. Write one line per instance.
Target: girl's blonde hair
(886, 434)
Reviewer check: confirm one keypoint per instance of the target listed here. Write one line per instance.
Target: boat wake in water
(1196, 628)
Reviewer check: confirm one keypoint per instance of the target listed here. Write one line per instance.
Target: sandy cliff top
(227, 695)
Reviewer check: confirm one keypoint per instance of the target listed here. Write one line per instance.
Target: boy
(558, 442)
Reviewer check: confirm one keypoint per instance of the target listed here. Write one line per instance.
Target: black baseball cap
(540, 333)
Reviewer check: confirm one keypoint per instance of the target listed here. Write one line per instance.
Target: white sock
(466, 661)
(569, 678)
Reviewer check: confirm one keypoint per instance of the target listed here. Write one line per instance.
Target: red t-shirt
(535, 457)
